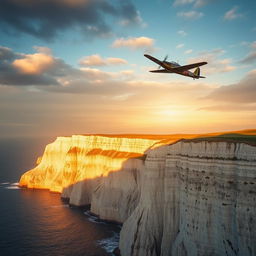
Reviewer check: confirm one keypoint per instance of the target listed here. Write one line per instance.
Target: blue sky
(52, 46)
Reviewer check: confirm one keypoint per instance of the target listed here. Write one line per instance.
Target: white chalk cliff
(196, 199)
(187, 198)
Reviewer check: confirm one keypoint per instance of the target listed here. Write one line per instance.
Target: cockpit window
(175, 63)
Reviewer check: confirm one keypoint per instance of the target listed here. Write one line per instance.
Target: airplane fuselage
(170, 65)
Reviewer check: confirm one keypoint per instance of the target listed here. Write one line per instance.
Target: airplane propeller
(165, 58)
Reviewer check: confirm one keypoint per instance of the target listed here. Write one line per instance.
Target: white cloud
(116, 61)
(200, 3)
(216, 64)
(251, 56)
(188, 51)
(192, 15)
(182, 33)
(253, 45)
(127, 72)
(134, 43)
(137, 20)
(43, 49)
(197, 3)
(179, 46)
(97, 60)
(182, 2)
(232, 14)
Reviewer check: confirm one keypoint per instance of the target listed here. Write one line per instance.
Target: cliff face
(86, 170)
(196, 199)
(188, 198)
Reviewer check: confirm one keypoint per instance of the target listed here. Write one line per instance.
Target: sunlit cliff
(69, 160)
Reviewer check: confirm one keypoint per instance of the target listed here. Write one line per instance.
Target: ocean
(37, 222)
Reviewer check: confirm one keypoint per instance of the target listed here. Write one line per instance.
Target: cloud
(200, 3)
(123, 85)
(253, 45)
(182, 33)
(182, 2)
(42, 49)
(6, 53)
(232, 14)
(97, 60)
(179, 46)
(33, 63)
(251, 56)
(191, 15)
(45, 19)
(42, 69)
(230, 107)
(127, 72)
(30, 69)
(188, 51)
(242, 92)
(134, 43)
(137, 20)
(216, 64)
(197, 3)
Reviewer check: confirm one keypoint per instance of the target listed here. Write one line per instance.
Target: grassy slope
(230, 137)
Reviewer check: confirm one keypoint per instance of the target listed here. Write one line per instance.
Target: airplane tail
(197, 73)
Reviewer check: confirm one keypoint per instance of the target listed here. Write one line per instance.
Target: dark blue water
(37, 222)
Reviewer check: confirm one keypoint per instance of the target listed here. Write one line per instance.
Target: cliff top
(172, 136)
(249, 139)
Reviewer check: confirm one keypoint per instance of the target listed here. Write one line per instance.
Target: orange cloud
(97, 60)
(134, 42)
(33, 64)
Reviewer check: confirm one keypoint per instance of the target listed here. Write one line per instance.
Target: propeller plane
(174, 67)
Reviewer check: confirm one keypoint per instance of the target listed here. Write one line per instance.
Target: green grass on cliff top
(229, 137)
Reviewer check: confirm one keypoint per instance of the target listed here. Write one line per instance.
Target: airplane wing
(153, 59)
(160, 71)
(187, 67)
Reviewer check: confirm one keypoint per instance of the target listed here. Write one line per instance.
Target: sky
(77, 66)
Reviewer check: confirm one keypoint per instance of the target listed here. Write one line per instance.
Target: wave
(93, 218)
(10, 185)
(109, 244)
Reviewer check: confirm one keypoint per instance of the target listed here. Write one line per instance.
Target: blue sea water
(37, 222)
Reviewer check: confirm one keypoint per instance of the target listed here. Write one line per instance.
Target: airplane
(174, 67)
